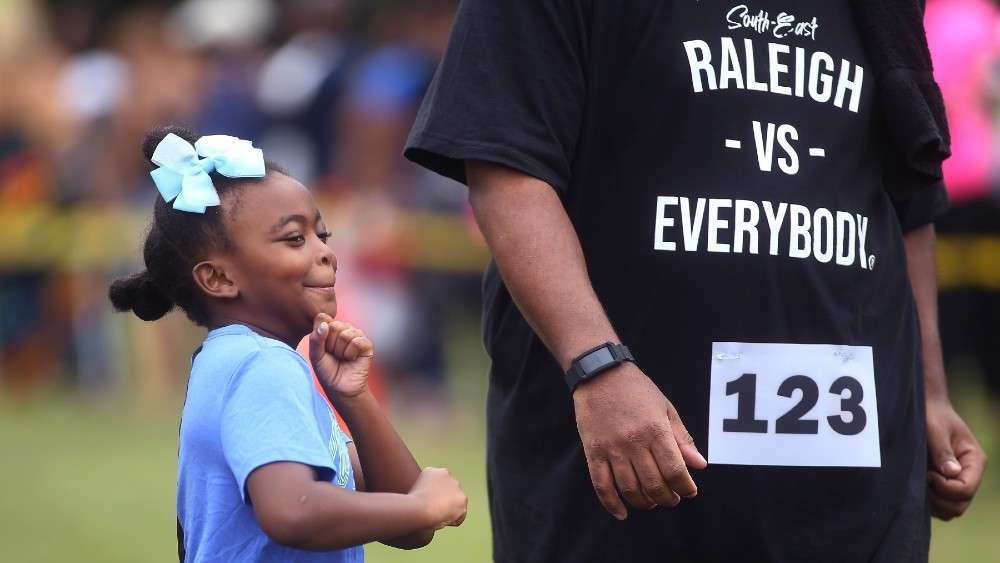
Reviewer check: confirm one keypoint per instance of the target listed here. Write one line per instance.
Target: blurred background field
(93, 479)
(89, 399)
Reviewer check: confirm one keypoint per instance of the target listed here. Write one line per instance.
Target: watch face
(596, 360)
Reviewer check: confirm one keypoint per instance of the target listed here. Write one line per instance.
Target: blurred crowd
(329, 89)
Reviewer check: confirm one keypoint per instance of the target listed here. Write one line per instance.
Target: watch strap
(580, 371)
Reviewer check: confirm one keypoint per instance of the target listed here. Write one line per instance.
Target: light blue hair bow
(182, 177)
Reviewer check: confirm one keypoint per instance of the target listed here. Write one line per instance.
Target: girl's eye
(324, 236)
(296, 239)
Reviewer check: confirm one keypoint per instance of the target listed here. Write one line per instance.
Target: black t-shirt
(722, 164)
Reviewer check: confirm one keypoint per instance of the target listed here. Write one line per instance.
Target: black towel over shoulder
(911, 103)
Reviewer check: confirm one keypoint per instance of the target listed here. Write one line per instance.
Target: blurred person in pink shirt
(964, 40)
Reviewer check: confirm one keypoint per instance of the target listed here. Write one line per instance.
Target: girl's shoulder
(239, 337)
(237, 348)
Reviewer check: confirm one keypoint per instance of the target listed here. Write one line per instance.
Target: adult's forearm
(922, 269)
(540, 259)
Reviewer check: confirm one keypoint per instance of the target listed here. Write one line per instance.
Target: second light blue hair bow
(182, 176)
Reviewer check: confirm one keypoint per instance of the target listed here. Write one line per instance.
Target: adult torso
(684, 162)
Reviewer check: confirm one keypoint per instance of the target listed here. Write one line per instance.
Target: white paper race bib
(793, 404)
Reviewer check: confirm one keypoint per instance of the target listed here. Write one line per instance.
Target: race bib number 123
(793, 404)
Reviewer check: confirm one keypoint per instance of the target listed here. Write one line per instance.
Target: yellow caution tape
(969, 261)
(44, 237)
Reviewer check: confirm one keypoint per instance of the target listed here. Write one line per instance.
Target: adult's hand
(956, 461)
(634, 442)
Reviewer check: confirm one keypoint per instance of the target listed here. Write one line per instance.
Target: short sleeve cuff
(257, 460)
(923, 207)
(447, 157)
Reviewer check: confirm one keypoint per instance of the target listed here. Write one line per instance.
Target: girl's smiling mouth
(324, 289)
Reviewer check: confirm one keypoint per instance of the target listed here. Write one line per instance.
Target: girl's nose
(328, 258)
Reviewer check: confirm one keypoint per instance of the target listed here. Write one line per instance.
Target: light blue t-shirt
(250, 402)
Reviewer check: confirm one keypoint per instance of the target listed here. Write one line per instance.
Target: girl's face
(281, 264)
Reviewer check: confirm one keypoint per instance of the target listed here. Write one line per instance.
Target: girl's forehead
(264, 205)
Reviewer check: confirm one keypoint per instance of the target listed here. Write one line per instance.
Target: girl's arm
(387, 464)
(341, 356)
(296, 510)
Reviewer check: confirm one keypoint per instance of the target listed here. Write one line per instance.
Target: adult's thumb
(942, 456)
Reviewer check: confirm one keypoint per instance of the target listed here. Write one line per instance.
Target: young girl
(264, 472)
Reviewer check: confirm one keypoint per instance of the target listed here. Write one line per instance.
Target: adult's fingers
(685, 443)
(671, 463)
(950, 489)
(604, 486)
(651, 480)
(973, 460)
(946, 509)
(628, 483)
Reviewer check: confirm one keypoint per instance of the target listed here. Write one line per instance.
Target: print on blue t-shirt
(250, 402)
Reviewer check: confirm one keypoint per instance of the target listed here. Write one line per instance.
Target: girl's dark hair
(176, 241)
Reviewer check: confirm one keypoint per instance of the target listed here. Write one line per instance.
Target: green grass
(85, 482)
(80, 484)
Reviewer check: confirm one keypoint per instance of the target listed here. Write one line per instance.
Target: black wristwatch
(596, 360)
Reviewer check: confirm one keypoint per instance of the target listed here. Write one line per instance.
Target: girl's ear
(212, 278)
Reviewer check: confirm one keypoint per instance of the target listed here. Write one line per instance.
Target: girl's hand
(442, 495)
(341, 356)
